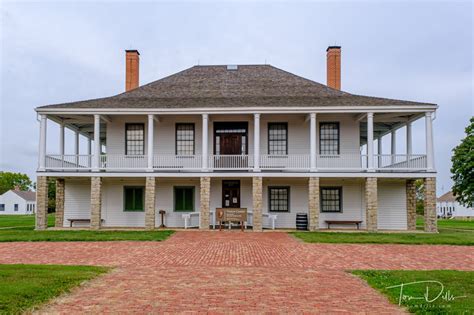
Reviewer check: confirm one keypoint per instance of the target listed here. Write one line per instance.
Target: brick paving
(230, 271)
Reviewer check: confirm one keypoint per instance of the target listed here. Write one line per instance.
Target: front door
(231, 194)
(231, 144)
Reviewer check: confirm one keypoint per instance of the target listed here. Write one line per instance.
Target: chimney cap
(333, 47)
(132, 51)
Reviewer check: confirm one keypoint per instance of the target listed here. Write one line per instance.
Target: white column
(370, 142)
(89, 150)
(393, 146)
(409, 140)
(205, 139)
(379, 151)
(42, 146)
(312, 141)
(96, 160)
(429, 141)
(151, 120)
(76, 147)
(61, 140)
(256, 142)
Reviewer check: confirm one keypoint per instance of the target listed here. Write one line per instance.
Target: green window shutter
(133, 199)
(184, 198)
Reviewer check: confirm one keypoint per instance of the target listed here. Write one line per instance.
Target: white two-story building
(241, 136)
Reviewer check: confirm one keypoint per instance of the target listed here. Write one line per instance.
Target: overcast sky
(54, 52)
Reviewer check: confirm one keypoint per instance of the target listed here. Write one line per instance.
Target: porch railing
(290, 162)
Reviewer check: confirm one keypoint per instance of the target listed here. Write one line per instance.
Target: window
(27, 207)
(134, 139)
(279, 199)
(183, 198)
(331, 199)
(133, 198)
(184, 139)
(2, 207)
(16, 207)
(278, 138)
(329, 138)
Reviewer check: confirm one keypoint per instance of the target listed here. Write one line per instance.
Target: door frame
(231, 125)
(222, 191)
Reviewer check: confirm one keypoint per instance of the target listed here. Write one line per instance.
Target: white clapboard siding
(77, 201)
(298, 132)
(298, 200)
(392, 205)
(112, 204)
(165, 201)
(353, 203)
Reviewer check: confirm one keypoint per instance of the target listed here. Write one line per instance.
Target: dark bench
(80, 220)
(329, 222)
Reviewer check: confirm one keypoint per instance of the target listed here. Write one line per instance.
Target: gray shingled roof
(249, 86)
(27, 195)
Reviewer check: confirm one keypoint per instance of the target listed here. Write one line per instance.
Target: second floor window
(329, 138)
(134, 139)
(277, 139)
(16, 207)
(184, 139)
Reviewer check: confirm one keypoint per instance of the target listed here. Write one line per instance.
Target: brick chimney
(333, 71)
(132, 69)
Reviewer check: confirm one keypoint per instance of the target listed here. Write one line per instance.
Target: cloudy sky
(54, 52)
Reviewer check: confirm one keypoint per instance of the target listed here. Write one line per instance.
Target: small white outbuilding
(448, 207)
(16, 201)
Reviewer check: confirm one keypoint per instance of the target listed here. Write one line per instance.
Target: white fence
(290, 162)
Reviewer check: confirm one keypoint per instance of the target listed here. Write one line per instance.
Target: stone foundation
(150, 195)
(59, 217)
(41, 202)
(431, 224)
(96, 202)
(205, 192)
(313, 203)
(257, 198)
(371, 203)
(411, 204)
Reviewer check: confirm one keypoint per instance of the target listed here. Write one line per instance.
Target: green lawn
(28, 235)
(22, 220)
(455, 297)
(21, 229)
(25, 287)
(451, 232)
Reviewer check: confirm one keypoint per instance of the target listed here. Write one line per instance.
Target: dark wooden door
(231, 144)
(230, 194)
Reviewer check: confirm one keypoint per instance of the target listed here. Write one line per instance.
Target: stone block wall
(371, 203)
(431, 224)
(411, 204)
(205, 193)
(96, 202)
(41, 202)
(150, 196)
(257, 201)
(313, 203)
(59, 217)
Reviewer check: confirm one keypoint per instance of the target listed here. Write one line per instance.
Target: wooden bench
(71, 221)
(329, 222)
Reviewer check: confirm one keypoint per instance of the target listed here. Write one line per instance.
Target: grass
(25, 287)
(27, 235)
(10, 221)
(456, 284)
(21, 229)
(451, 232)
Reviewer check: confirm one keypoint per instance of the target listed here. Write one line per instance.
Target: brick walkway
(231, 272)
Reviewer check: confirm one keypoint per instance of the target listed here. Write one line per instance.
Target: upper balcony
(302, 142)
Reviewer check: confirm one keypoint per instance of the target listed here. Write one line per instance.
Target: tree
(51, 195)
(463, 168)
(9, 180)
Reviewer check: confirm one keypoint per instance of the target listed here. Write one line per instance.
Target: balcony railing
(290, 162)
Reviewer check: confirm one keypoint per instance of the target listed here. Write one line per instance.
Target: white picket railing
(281, 162)
(341, 161)
(400, 161)
(177, 162)
(69, 161)
(123, 162)
(290, 162)
(231, 162)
